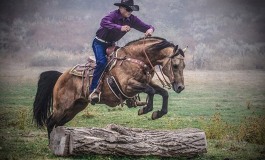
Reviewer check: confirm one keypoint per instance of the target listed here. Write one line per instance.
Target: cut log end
(119, 140)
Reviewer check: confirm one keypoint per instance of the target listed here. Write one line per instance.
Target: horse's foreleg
(141, 87)
(161, 91)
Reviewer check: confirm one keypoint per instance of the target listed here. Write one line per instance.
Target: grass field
(228, 105)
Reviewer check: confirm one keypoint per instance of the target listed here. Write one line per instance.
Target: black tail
(43, 98)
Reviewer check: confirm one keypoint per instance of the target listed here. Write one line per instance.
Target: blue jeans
(99, 49)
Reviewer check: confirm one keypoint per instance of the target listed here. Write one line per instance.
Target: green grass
(231, 114)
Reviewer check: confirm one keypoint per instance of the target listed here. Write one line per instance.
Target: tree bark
(118, 140)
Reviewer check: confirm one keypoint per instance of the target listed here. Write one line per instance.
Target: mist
(221, 35)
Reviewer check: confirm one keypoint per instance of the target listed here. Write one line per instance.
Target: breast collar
(133, 60)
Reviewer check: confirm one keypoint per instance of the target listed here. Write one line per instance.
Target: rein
(153, 68)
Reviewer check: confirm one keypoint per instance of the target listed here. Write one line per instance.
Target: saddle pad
(82, 70)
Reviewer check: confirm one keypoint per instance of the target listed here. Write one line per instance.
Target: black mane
(161, 45)
(155, 47)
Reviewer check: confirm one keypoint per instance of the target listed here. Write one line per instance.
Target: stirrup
(94, 97)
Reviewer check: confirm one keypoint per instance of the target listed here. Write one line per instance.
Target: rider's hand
(149, 32)
(125, 28)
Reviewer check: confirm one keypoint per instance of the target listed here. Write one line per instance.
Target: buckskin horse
(133, 73)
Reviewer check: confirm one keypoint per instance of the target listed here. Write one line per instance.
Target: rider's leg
(99, 49)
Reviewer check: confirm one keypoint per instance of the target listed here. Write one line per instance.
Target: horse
(133, 72)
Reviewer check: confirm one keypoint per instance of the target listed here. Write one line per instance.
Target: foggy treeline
(221, 34)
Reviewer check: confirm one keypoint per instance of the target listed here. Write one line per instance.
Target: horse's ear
(176, 48)
(185, 49)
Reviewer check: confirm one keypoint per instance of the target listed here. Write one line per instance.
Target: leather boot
(94, 97)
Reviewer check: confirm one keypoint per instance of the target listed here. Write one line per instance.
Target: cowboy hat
(128, 4)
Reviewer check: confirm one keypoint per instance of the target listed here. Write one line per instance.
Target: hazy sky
(244, 17)
(212, 25)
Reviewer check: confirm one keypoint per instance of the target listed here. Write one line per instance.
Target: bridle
(164, 82)
(170, 58)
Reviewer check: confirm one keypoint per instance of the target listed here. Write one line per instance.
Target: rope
(168, 84)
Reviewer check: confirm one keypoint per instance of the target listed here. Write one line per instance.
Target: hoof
(131, 103)
(156, 115)
(141, 111)
(144, 110)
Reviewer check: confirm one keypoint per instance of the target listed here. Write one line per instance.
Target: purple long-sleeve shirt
(110, 26)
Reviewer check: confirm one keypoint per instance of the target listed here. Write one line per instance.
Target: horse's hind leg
(62, 116)
(149, 107)
(136, 101)
(50, 124)
(77, 106)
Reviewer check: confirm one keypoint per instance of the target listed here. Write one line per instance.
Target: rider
(112, 28)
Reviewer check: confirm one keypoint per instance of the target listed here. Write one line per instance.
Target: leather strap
(116, 90)
(141, 63)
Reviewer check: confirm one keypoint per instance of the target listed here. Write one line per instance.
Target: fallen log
(118, 140)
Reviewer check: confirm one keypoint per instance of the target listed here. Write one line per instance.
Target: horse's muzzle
(178, 87)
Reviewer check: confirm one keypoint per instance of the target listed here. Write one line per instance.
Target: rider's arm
(140, 25)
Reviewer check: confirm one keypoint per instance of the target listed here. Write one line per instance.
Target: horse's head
(166, 54)
(173, 67)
